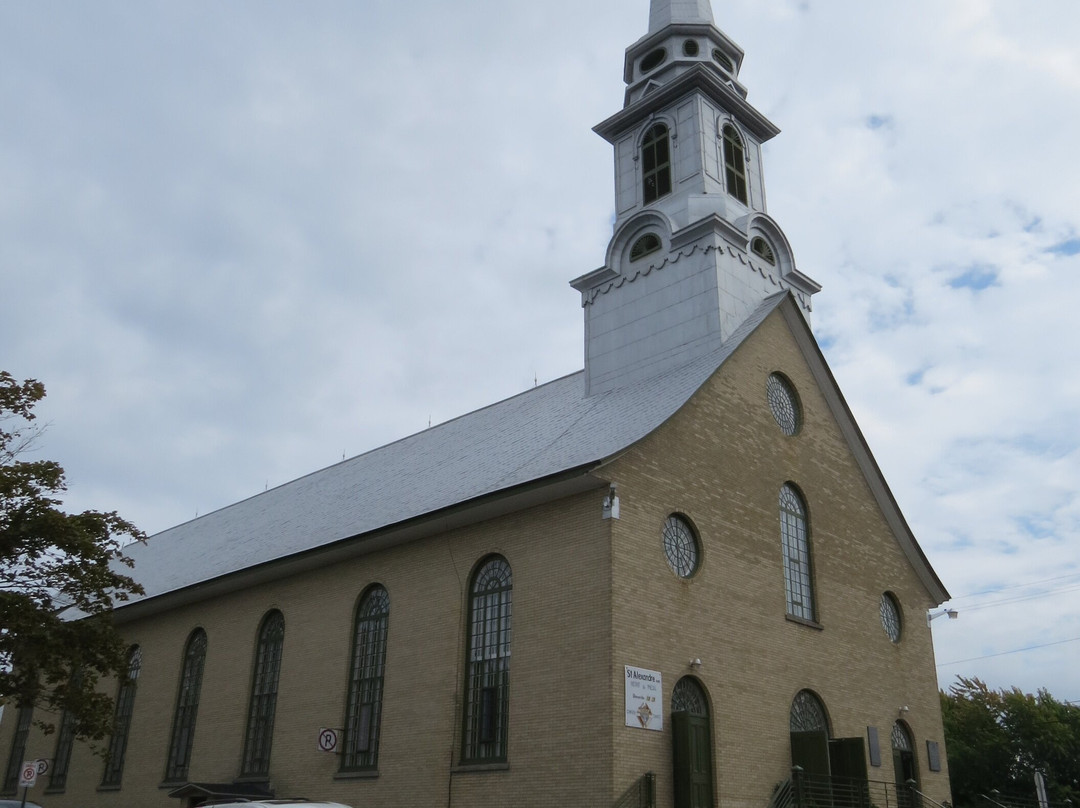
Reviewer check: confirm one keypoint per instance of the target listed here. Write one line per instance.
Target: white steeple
(663, 13)
(693, 251)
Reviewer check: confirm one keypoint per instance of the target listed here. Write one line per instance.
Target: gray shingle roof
(547, 430)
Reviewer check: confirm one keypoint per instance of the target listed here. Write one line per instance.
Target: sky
(240, 241)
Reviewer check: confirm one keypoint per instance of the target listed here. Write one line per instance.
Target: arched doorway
(691, 738)
(904, 764)
(809, 727)
(832, 768)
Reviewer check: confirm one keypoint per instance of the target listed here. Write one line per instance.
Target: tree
(60, 576)
(996, 740)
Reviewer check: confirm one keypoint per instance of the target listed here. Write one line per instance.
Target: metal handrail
(641, 794)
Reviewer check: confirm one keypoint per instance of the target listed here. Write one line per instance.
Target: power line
(996, 590)
(1003, 653)
(1021, 598)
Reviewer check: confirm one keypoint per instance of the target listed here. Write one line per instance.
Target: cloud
(239, 242)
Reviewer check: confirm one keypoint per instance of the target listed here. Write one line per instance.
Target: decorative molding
(673, 257)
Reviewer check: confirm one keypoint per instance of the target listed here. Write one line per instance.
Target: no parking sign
(328, 739)
(28, 773)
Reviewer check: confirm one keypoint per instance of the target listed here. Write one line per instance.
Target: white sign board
(644, 699)
(28, 774)
(328, 739)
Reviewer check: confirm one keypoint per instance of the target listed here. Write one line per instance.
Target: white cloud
(239, 241)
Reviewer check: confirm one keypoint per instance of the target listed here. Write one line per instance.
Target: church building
(675, 578)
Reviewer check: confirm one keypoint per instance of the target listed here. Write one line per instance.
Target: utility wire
(997, 590)
(1019, 598)
(1003, 653)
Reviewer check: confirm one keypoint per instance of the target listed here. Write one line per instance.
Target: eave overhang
(697, 79)
(649, 41)
(499, 503)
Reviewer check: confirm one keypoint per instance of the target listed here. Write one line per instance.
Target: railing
(783, 795)
(995, 799)
(641, 794)
(817, 791)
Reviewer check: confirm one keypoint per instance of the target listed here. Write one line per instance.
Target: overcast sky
(241, 240)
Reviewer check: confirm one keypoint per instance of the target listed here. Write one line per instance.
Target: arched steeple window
(761, 248)
(487, 674)
(649, 243)
(655, 164)
(734, 163)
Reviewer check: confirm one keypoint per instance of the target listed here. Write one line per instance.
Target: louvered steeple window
(656, 164)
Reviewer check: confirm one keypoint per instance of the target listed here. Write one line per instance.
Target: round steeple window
(653, 60)
(721, 59)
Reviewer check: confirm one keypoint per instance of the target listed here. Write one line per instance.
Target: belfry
(694, 250)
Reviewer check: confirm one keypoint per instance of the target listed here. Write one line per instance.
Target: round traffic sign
(328, 739)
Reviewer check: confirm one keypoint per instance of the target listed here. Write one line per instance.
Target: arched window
(688, 697)
(187, 707)
(648, 243)
(795, 541)
(363, 712)
(125, 705)
(65, 740)
(487, 675)
(761, 248)
(656, 164)
(734, 163)
(18, 748)
(808, 714)
(264, 689)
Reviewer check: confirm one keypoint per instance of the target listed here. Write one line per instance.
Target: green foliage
(59, 580)
(996, 739)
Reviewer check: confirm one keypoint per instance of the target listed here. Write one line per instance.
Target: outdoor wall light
(952, 613)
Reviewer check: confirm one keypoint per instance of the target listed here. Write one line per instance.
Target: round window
(784, 403)
(890, 617)
(653, 60)
(690, 48)
(680, 546)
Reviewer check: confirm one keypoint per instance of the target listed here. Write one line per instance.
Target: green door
(847, 757)
(692, 758)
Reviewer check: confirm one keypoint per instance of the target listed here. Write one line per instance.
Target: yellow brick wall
(558, 753)
(721, 461)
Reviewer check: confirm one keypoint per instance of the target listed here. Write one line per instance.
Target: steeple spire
(663, 13)
(694, 251)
